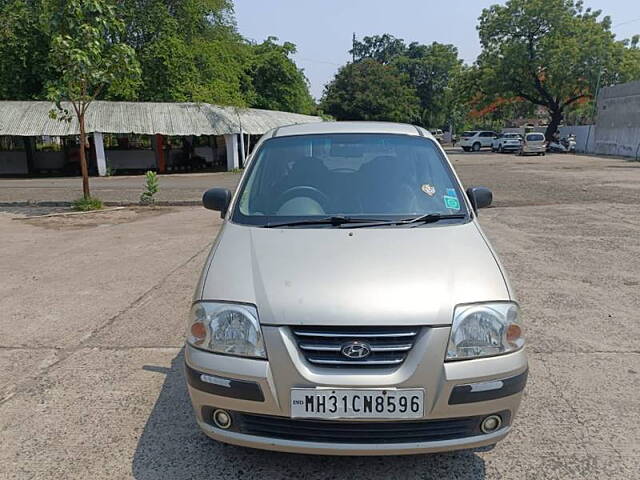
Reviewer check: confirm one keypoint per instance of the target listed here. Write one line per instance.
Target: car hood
(367, 276)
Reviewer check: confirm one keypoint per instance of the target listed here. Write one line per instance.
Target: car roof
(316, 128)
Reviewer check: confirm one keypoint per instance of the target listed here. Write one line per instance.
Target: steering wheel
(302, 191)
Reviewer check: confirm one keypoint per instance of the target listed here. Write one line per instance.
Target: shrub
(150, 188)
(87, 204)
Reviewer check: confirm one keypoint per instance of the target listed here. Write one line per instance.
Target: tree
(431, 70)
(551, 53)
(276, 82)
(188, 51)
(87, 58)
(381, 48)
(369, 90)
(23, 51)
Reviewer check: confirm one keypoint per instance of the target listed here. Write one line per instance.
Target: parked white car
(438, 134)
(477, 139)
(506, 142)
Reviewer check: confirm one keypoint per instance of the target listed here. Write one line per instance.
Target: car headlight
(227, 328)
(484, 330)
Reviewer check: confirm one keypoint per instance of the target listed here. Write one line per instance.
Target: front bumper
(261, 388)
(363, 449)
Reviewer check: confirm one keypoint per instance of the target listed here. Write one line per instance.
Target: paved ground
(92, 315)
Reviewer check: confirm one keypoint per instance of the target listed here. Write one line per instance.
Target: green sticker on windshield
(451, 202)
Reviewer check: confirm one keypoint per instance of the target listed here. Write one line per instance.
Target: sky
(322, 30)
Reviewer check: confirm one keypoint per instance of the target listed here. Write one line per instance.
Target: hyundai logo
(356, 350)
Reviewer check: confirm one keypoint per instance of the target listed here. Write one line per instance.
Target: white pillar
(231, 142)
(243, 155)
(100, 158)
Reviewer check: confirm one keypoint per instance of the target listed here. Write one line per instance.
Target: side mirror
(480, 197)
(217, 199)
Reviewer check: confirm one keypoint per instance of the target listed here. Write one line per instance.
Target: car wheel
(476, 147)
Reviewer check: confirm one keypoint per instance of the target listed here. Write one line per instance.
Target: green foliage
(549, 52)
(276, 82)
(381, 48)
(85, 204)
(369, 90)
(151, 187)
(431, 71)
(187, 50)
(23, 50)
(85, 56)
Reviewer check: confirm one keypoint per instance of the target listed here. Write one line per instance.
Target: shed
(31, 119)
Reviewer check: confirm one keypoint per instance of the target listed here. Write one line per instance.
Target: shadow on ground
(172, 447)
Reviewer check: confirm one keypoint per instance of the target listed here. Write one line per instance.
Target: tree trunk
(83, 159)
(556, 120)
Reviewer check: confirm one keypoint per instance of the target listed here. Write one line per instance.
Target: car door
(486, 138)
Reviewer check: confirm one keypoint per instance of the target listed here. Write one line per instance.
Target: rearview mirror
(480, 197)
(217, 199)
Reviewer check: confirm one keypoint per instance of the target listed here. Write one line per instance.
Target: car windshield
(469, 134)
(358, 176)
(535, 137)
(511, 135)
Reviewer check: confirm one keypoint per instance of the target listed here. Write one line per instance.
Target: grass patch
(87, 204)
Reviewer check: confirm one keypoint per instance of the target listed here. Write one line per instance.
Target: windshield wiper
(432, 217)
(336, 221)
(428, 218)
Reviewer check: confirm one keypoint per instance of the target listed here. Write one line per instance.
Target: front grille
(322, 346)
(356, 432)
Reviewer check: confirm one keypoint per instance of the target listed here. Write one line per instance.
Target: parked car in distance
(506, 142)
(438, 134)
(351, 304)
(475, 140)
(533, 142)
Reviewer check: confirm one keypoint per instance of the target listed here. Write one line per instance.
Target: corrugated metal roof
(25, 118)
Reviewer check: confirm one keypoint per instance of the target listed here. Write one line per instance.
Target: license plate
(346, 403)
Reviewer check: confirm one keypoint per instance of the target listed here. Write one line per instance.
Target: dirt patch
(97, 218)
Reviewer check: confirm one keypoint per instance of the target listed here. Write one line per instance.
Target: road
(92, 315)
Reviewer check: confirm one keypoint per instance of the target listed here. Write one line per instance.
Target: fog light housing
(222, 419)
(491, 424)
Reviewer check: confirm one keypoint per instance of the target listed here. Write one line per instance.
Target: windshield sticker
(452, 192)
(451, 202)
(429, 189)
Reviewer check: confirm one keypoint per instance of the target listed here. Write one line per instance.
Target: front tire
(476, 147)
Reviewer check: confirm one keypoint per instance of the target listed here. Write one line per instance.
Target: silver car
(351, 304)
(533, 142)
